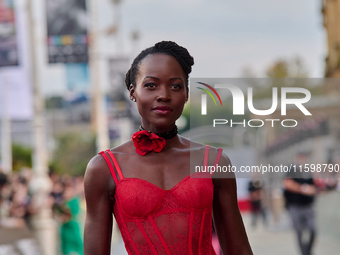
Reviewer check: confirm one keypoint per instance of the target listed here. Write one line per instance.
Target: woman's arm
(99, 206)
(227, 218)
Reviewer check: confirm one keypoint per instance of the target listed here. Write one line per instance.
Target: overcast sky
(225, 36)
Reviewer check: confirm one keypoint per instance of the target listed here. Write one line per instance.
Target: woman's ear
(132, 92)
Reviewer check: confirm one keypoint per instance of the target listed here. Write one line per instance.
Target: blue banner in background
(77, 77)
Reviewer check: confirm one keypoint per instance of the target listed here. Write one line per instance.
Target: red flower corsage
(146, 141)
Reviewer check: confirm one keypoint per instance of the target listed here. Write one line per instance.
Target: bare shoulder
(198, 150)
(192, 145)
(98, 163)
(123, 148)
(224, 175)
(97, 176)
(96, 166)
(123, 151)
(225, 160)
(213, 152)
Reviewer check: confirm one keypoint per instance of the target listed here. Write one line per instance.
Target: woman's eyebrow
(176, 78)
(152, 77)
(173, 78)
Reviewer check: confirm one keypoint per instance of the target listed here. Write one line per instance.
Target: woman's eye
(150, 85)
(177, 86)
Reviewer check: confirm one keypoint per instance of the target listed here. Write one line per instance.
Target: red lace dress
(157, 221)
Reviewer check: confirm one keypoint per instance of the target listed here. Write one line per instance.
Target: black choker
(167, 135)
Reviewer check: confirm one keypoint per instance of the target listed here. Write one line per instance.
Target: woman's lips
(162, 109)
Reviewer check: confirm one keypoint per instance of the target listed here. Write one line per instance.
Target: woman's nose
(164, 95)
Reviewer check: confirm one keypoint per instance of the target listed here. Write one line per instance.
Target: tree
(73, 153)
(283, 73)
(21, 157)
(288, 68)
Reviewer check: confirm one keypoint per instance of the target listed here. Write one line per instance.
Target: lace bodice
(156, 221)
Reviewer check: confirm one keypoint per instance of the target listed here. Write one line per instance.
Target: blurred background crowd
(63, 99)
(18, 209)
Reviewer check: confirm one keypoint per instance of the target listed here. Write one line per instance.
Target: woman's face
(160, 92)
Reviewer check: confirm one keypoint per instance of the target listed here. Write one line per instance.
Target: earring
(134, 99)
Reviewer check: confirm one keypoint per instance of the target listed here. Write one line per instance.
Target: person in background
(3, 182)
(255, 188)
(69, 215)
(300, 192)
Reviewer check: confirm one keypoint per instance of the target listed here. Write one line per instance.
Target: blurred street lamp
(5, 131)
(116, 22)
(41, 184)
(135, 36)
(99, 116)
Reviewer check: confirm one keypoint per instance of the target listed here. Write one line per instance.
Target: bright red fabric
(156, 221)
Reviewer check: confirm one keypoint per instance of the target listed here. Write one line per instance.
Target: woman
(69, 215)
(146, 182)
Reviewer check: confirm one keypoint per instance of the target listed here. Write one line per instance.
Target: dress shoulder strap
(219, 154)
(112, 164)
(206, 157)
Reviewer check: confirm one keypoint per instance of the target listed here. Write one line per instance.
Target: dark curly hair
(164, 47)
